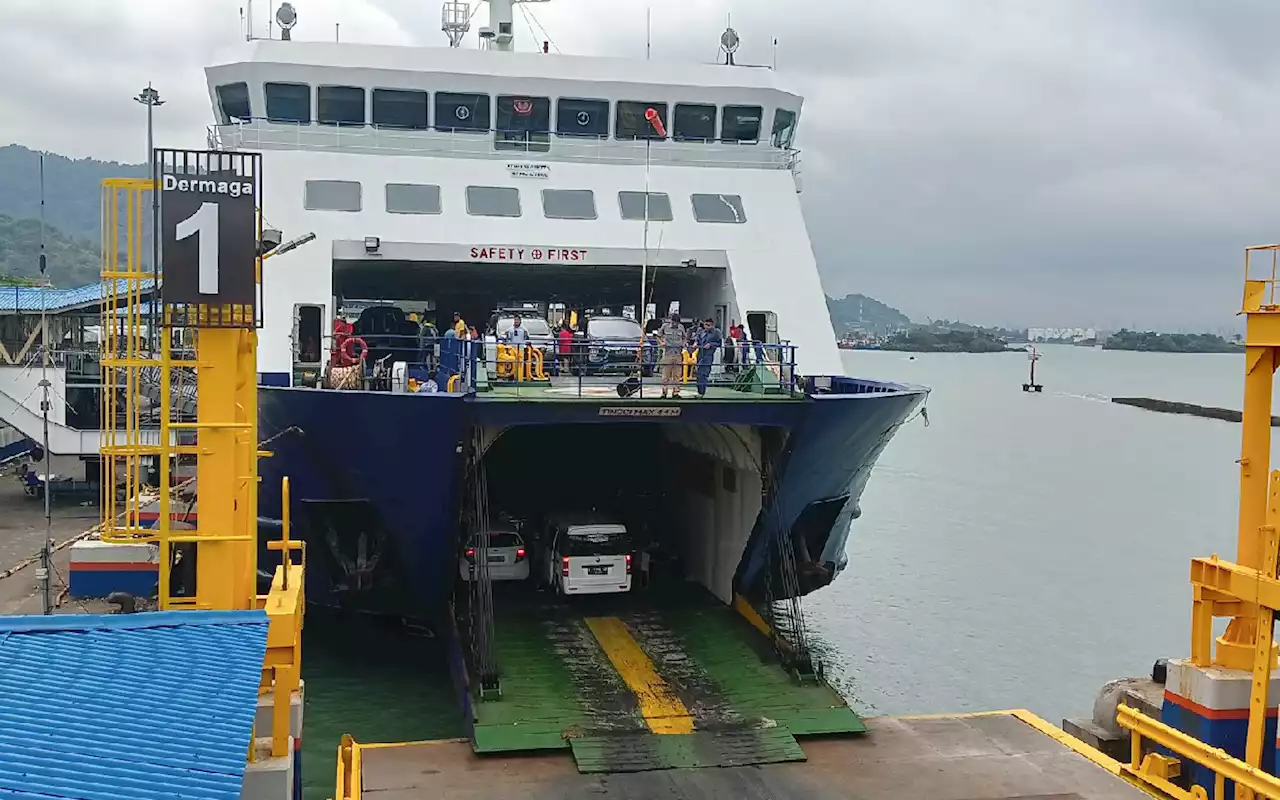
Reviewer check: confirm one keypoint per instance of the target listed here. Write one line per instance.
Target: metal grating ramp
(640, 752)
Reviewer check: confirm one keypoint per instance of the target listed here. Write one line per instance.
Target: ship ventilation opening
(688, 496)
(437, 289)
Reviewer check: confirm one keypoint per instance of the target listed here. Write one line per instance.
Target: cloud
(1076, 162)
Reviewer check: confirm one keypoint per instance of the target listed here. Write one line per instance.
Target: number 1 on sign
(204, 224)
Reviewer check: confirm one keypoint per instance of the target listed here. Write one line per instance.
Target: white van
(587, 556)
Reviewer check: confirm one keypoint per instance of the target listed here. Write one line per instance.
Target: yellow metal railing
(348, 778)
(1158, 771)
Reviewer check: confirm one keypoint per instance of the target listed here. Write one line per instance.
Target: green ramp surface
(756, 685)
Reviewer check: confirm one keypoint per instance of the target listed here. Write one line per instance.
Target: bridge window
(524, 123)
(399, 108)
(233, 100)
(413, 198)
(568, 204)
(718, 208)
(575, 117)
(288, 102)
(694, 122)
(493, 201)
(340, 105)
(462, 112)
(784, 128)
(331, 196)
(633, 206)
(740, 123)
(631, 122)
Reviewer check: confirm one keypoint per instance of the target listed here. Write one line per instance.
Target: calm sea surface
(1019, 551)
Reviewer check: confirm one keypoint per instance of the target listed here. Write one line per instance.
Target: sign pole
(210, 229)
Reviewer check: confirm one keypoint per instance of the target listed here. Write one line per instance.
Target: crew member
(671, 340)
(709, 341)
(459, 325)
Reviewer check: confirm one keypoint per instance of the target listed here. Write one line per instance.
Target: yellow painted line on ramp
(661, 708)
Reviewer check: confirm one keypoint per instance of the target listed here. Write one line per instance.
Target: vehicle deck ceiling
(476, 289)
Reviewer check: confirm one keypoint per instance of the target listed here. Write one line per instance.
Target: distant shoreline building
(1064, 335)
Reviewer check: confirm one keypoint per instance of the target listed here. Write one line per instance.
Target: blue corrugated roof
(25, 299)
(128, 706)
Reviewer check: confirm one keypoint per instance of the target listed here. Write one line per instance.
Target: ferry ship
(446, 179)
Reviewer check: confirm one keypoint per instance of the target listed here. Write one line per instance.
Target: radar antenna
(499, 33)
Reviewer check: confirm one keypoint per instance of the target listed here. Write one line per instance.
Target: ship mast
(499, 34)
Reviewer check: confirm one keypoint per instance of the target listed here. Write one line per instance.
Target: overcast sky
(1055, 162)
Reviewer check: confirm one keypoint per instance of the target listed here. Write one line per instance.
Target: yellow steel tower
(202, 330)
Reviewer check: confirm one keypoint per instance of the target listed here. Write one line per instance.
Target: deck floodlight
(371, 244)
(286, 18)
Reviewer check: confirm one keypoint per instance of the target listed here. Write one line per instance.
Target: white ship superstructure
(429, 172)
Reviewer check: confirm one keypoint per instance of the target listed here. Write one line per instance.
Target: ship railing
(1159, 771)
(581, 368)
(265, 134)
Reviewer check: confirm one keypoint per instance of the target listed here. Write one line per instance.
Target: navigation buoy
(1031, 385)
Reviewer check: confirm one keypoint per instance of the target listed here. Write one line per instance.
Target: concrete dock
(22, 528)
(998, 756)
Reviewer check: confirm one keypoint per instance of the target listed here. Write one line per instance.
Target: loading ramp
(640, 682)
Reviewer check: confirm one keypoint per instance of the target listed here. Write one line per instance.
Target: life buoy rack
(349, 350)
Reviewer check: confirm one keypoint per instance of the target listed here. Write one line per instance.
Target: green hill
(72, 261)
(857, 312)
(72, 189)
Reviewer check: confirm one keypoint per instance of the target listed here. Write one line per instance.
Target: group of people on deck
(705, 340)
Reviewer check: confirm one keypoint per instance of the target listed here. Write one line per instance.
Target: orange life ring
(349, 349)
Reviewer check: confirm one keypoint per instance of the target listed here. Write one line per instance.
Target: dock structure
(1006, 754)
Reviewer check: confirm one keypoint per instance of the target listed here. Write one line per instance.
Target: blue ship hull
(376, 478)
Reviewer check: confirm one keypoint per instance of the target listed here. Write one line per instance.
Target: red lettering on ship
(557, 254)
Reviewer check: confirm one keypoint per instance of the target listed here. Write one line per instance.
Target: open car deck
(998, 756)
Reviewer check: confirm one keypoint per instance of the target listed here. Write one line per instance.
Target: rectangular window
(633, 205)
(741, 123)
(784, 128)
(568, 204)
(493, 201)
(524, 123)
(462, 112)
(694, 122)
(631, 122)
(288, 102)
(233, 100)
(413, 198)
(331, 196)
(589, 118)
(718, 208)
(340, 105)
(399, 108)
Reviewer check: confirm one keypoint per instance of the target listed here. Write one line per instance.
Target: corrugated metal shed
(31, 299)
(129, 706)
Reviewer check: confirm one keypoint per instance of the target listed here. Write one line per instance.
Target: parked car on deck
(506, 555)
(586, 554)
(612, 344)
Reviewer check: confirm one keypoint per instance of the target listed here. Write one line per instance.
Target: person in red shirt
(564, 348)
